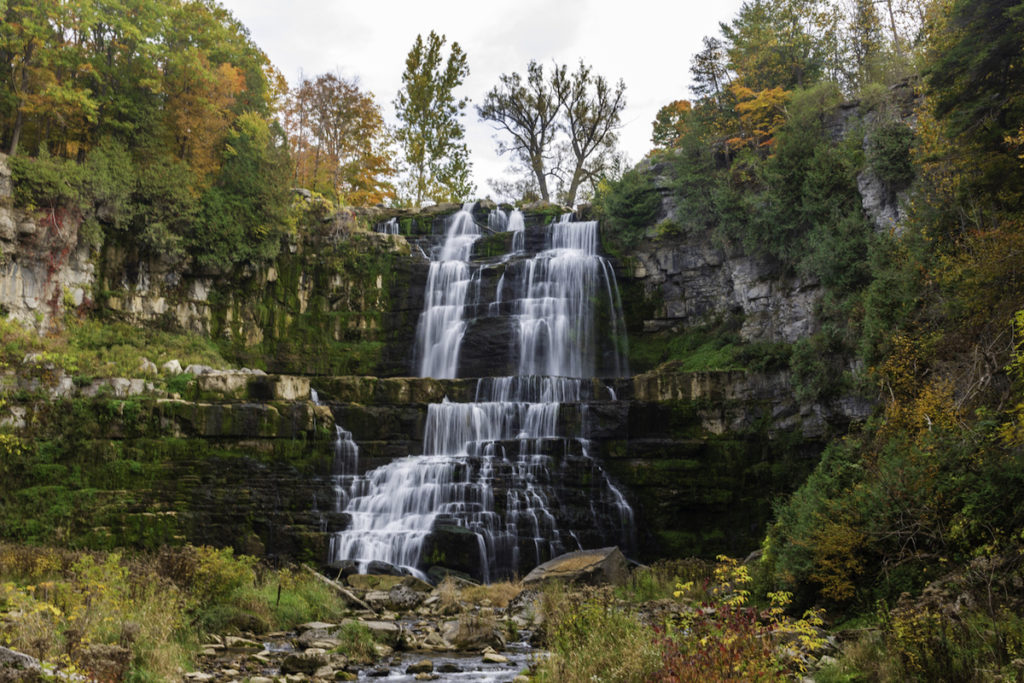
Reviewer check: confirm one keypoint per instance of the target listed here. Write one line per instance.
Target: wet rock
(448, 668)
(494, 658)
(424, 666)
(303, 662)
(438, 574)
(593, 567)
(383, 568)
(379, 672)
(471, 632)
(402, 598)
(344, 568)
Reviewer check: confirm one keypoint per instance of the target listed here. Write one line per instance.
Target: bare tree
(592, 115)
(562, 127)
(527, 109)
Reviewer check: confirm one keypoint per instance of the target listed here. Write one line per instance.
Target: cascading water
(441, 326)
(498, 470)
(388, 227)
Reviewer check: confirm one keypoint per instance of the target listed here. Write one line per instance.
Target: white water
(389, 227)
(441, 326)
(510, 434)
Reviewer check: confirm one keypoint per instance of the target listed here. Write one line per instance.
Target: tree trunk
(16, 135)
(542, 181)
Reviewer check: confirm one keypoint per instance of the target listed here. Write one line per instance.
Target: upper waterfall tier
(547, 306)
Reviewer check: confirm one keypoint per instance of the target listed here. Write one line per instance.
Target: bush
(592, 639)
(46, 182)
(629, 206)
(888, 154)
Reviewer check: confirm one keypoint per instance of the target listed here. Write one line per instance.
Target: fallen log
(346, 595)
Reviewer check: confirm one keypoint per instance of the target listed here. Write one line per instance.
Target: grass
(91, 348)
(711, 347)
(593, 639)
(356, 642)
(57, 604)
(659, 581)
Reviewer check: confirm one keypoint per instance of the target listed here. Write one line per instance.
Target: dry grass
(496, 594)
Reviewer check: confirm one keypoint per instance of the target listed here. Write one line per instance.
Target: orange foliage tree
(339, 140)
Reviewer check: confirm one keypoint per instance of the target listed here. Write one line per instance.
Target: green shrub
(46, 182)
(628, 206)
(356, 642)
(888, 154)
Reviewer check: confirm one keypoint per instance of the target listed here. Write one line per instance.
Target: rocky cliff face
(234, 461)
(44, 265)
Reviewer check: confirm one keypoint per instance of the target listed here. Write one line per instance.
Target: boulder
(373, 582)
(384, 569)
(172, 367)
(424, 666)
(402, 598)
(593, 567)
(303, 662)
(470, 632)
(16, 665)
(386, 632)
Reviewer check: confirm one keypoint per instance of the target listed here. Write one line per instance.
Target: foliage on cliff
(925, 500)
(153, 121)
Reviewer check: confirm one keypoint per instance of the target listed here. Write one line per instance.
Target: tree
(784, 43)
(670, 124)
(709, 70)
(244, 213)
(339, 140)
(430, 131)
(41, 55)
(865, 39)
(592, 115)
(527, 109)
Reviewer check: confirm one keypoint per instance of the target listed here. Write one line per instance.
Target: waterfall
(501, 469)
(441, 324)
(388, 227)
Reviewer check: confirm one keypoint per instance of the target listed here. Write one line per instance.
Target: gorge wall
(245, 459)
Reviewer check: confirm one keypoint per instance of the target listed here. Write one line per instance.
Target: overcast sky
(647, 43)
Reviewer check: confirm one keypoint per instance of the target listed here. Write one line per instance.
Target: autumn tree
(430, 131)
(670, 124)
(41, 51)
(339, 140)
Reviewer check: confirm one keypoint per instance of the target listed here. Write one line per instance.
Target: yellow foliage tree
(761, 115)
